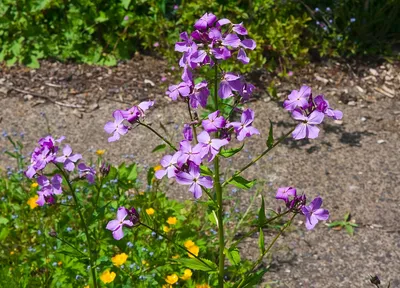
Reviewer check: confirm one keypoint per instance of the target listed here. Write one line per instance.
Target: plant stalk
(158, 134)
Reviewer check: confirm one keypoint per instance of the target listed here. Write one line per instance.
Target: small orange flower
(172, 279)
(158, 167)
(119, 259)
(100, 152)
(172, 220)
(192, 247)
(150, 211)
(107, 277)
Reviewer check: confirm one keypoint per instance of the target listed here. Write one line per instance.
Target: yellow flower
(193, 248)
(87, 286)
(175, 256)
(186, 274)
(172, 279)
(34, 185)
(107, 277)
(100, 152)
(150, 211)
(166, 229)
(158, 167)
(32, 201)
(172, 220)
(141, 193)
(188, 243)
(144, 262)
(12, 253)
(119, 259)
(59, 263)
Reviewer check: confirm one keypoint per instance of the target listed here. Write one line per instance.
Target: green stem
(78, 208)
(70, 245)
(191, 119)
(158, 134)
(257, 158)
(218, 192)
(175, 244)
(251, 232)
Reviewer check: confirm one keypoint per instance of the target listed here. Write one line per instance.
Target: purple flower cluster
(184, 165)
(131, 115)
(313, 212)
(212, 40)
(47, 152)
(125, 217)
(309, 111)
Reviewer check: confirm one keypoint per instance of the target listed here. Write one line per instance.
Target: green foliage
(103, 32)
(346, 224)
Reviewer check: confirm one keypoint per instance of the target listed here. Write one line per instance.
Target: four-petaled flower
(86, 171)
(314, 213)
(189, 153)
(168, 162)
(286, 193)
(298, 99)
(214, 122)
(116, 225)
(244, 128)
(306, 128)
(68, 158)
(194, 179)
(211, 146)
(116, 128)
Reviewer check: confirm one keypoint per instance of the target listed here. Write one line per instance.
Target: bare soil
(354, 164)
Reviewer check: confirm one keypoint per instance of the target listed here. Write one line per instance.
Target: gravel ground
(354, 164)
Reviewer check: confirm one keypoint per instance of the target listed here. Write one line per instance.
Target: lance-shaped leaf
(242, 183)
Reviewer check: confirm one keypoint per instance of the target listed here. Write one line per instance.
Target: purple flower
(298, 99)
(48, 189)
(126, 18)
(116, 128)
(248, 44)
(131, 115)
(307, 128)
(206, 21)
(246, 91)
(86, 171)
(189, 153)
(322, 105)
(116, 225)
(231, 40)
(230, 83)
(243, 128)
(286, 193)
(221, 53)
(185, 45)
(144, 106)
(242, 57)
(187, 132)
(194, 179)
(182, 89)
(200, 95)
(156, 44)
(168, 162)
(68, 158)
(214, 122)
(211, 146)
(314, 213)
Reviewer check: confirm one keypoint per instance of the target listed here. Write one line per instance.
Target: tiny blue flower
(54, 264)
(328, 9)
(317, 9)
(151, 254)
(129, 244)
(352, 20)
(68, 229)
(153, 234)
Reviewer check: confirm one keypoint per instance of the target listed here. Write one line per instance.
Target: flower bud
(105, 168)
(133, 216)
(53, 233)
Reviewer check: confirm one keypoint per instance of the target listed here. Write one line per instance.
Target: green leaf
(349, 230)
(102, 17)
(261, 243)
(270, 140)
(251, 280)
(196, 264)
(150, 176)
(206, 171)
(126, 3)
(242, 183)
(261, 213)
(213, 217)
(3, 220)
(159, 148)
(233, 255)
(230, 152)
(346, 217)
(4, 233)
(336, 223)
(33, 62)
(133, 173)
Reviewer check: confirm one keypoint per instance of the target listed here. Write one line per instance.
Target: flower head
(211, 146)
(193, 178)
(286, 193)
(150, 211)
(86, 171)
(192, 248)
(32, 201)
(119, 259)
(116, 225)
(244, 128)
(298, 99)
(306, 128)
(107, 277)
(172, 220)
(314, 213)
(169, 162)
(214, 122)
(68, 158)
(117, 128)
(187, 274)
(172, 279)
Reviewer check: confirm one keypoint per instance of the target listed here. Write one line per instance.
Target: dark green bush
(104, 31)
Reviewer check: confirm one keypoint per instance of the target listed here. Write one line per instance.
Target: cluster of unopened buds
(47, 152)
